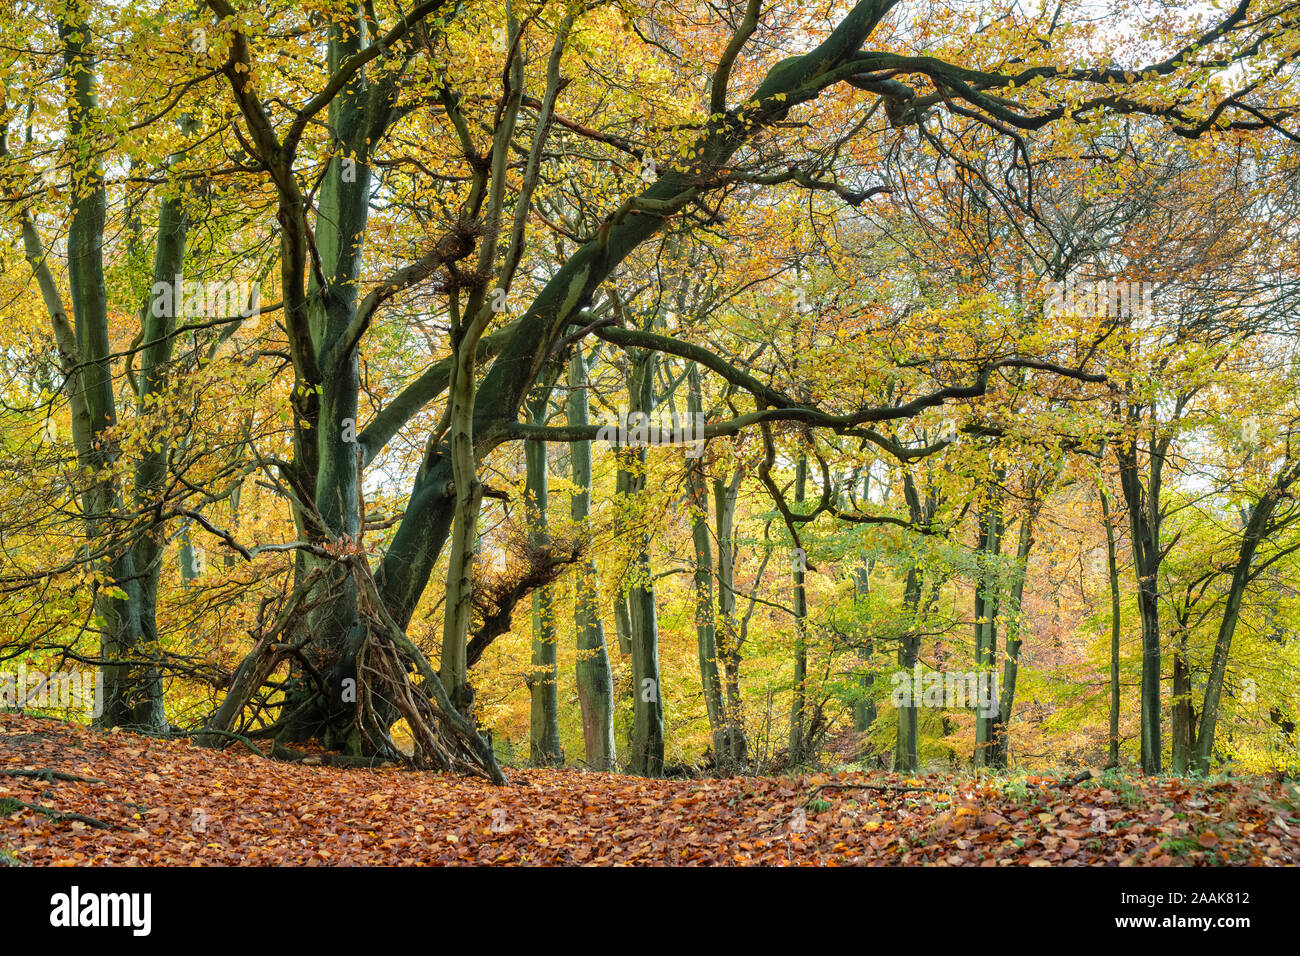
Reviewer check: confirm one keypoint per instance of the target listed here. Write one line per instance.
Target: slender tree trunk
(799, 704)
(545, 748)
(865, 711)
(1000, 750)
(463, 405)
(156, 326)
(595, 683)
(1182, 717)
(725, 495)
(987, 599)
(907, 744)
(705, 628)
(646, 744)
(1256, 530)
(128, 638)
(1143, 508)
(1112, 566)
(622, 623)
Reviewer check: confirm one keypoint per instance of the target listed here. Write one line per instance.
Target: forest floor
(120, 799)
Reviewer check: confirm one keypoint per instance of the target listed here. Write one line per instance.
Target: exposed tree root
(445, 739)
(9, 805)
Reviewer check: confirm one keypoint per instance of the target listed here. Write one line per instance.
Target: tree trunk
(705, 628)
(128, 637)
(799, 703)
(987, 599)
(595, 683)
(907, 745)
(545, 748)
(646, 743)
(725, 495)
(1144, 525)
(1182, 717)
(865, 711)
(1256, 530)
(1000, 751)
(327, 456)
(1112, 565)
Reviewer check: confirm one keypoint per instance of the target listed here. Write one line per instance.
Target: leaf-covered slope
(121, 799)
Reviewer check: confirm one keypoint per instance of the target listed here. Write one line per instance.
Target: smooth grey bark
(187, 558)
(645, 749)
(907, 743)
(865, 710)
(594, 678)
(705, 626)
(544, 746)
(1112, 566)
(622, 623)
(156, 332)
(1000, 750)
(1182, 712)
(921, 512)
(125, 609)
(728, 635)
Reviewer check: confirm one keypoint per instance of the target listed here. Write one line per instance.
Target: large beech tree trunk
(124, 606)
